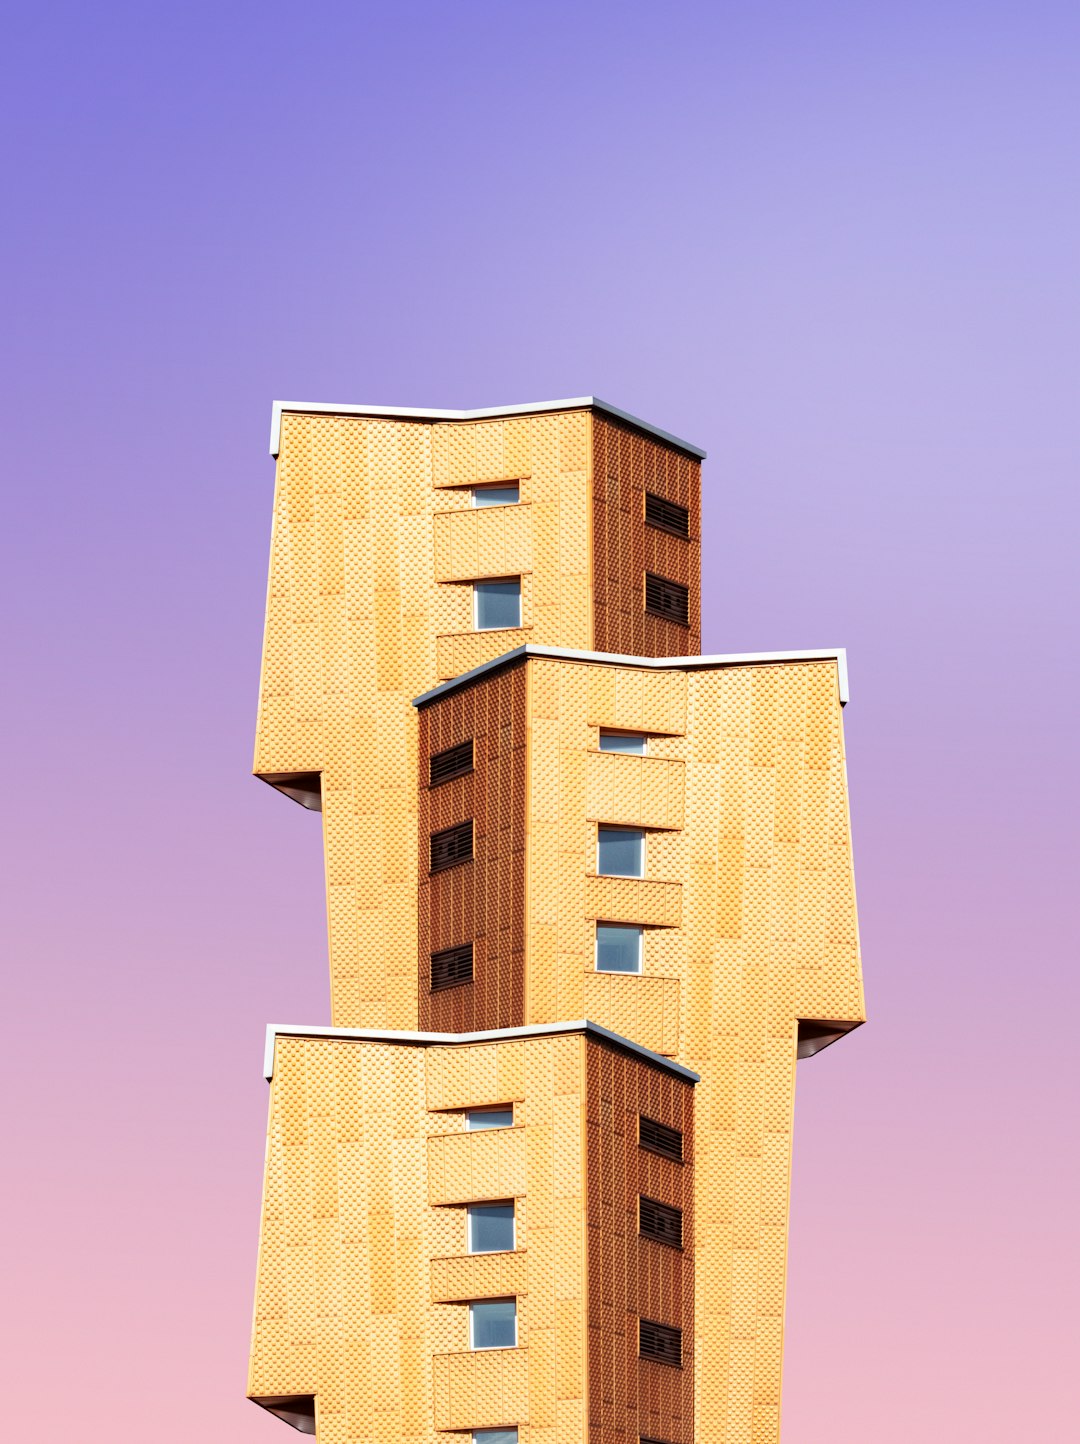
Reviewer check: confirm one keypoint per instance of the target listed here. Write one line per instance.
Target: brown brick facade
(483, 901)
(631, 1277)
(626, 464)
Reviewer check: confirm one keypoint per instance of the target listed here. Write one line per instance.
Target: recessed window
(493, 1324)
(451, 845)
(453, 762)
(450, 967)
(620, 851)
(618, 948)
(496, 495)
(660, 1342)
(666, 515)
(664, 598)
(660, 1221)
(659, 1138)
(478, 1118)
(491, 1227)
(497, 605)
(630, 743)
(495, 1436)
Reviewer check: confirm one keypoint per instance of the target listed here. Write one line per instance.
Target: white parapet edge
(442, 1040)
(618, 659)
(484, 413)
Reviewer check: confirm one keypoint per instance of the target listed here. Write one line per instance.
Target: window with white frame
(491, 1227)
(631, 744)
(618, 948)
(497, 605)
(493, 1324)
(501, 1117)
(507, 495)
(495, 1436)
(620, 851)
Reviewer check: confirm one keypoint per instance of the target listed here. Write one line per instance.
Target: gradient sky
(834, 243)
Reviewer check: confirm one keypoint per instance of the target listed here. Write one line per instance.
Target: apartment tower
(590, 900)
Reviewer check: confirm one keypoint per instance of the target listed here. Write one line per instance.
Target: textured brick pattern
(631, 1277)
(626, 464)
(483, 901)
(483, 542)
(355, 1258)
(637, 791)
(643, 1008)
(479, 1276)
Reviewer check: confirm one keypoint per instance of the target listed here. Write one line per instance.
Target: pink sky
(835, 244)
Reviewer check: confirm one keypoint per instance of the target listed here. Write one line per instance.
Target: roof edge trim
(670, 664)
(484, 413)
(494, 1035)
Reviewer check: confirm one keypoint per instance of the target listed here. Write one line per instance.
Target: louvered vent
(667, 599)
(666, 515)
(452, 845)
(660, 1342)
(660, 1221)
(659, 1138)
(454, 762)
(451, 966)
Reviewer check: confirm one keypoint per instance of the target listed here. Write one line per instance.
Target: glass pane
(618, 949)
(633, 746)
(495, 1436)
(489, 1118)
(494, 1323)
(495, 495)
(620, 852)
(498, 604)
(491, 1227)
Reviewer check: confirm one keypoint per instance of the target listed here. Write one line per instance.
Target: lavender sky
(834, 243)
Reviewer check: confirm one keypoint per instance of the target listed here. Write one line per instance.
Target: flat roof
(669, 664)
(494, 1035)
(484, 413)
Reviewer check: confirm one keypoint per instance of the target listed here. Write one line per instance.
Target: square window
(489, 1118)
(496, 495)
(497, 604)
(495, 1436)
(620, 851)
(493, 1324)
(631, 743)
(491, 1227)
(618, 948)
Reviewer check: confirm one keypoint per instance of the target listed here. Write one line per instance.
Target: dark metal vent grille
(451, 967)
(454, 762)
(667, 599)
(666, 515)
(660, 1342)
(659, 1138)
(452, 845)
(660, 1221)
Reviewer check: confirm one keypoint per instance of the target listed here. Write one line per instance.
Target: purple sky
(835, 244)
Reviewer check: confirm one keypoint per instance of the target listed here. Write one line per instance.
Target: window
(659, 1138)
(454, 762)
(660, 1342)
(451, 967)
(667, 599)
(620, 851)
(660, 1221)
(477, 1118)
(452, 845)
(618, 948)
(497, 604)
(666, 515)
(631, 743)
(493, 1324)
(491, 1227)
(495, 1436)
(506, 495)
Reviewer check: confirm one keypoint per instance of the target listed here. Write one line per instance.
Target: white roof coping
(484, 413)
(493, 1035)
(618, 659)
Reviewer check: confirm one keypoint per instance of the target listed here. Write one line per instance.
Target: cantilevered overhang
(653, 664)
(274, 1031)
(485, 413)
